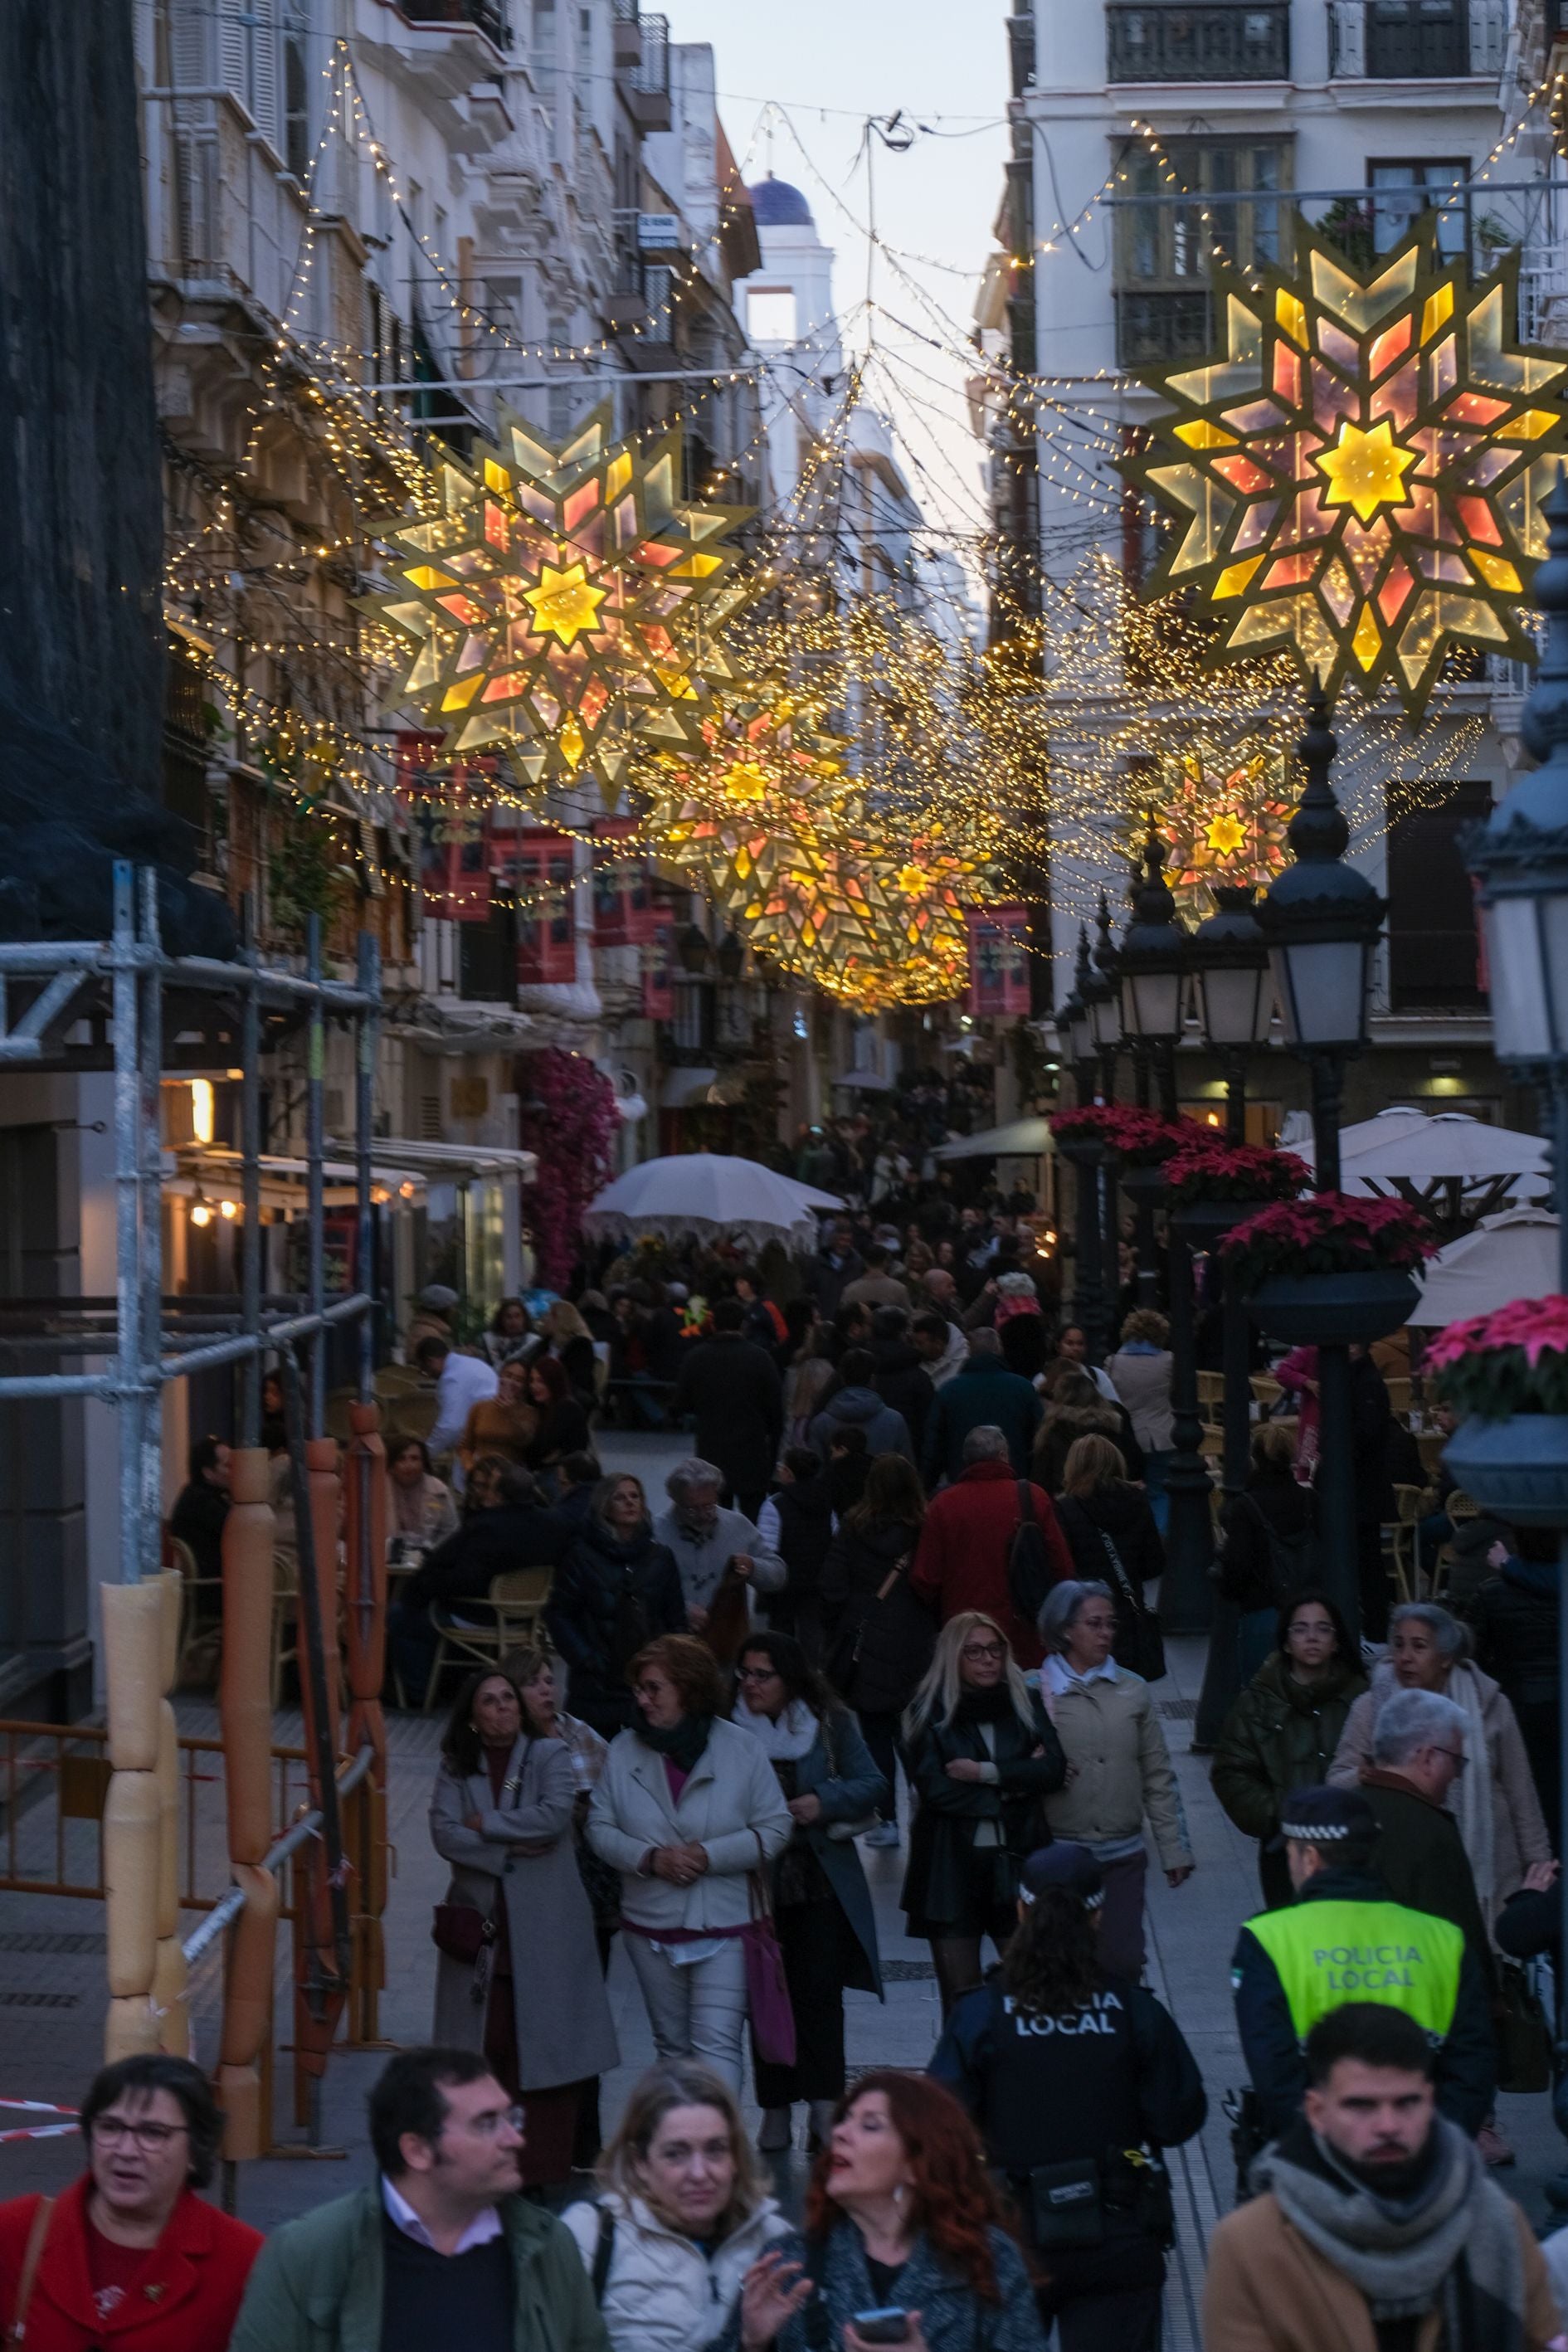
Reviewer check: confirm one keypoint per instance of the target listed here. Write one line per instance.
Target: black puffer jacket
(608, 1599)
(880, 1642)
(901, 1380)
(1277, 1506)
(1122, 1513)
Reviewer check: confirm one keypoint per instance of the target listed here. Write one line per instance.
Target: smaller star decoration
(1356, 475)
(561, 602)
(1222, 815)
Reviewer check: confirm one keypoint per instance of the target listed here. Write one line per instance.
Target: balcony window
(1415, 39)
(1222, 40)
(1162, 249)
(1406, 189)
(1432, 959)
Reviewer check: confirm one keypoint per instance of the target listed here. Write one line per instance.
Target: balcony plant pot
(1084, 1152)
(1201, 1223)
(1517, 1467)
(1333, 1310)
(1146, 1183)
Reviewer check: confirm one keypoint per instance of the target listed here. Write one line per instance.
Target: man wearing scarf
(1376, 2228)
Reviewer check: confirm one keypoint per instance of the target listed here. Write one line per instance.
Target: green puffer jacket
(1280, 1735)
(317, 2284)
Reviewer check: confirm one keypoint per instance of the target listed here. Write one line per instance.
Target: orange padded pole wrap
(130, 1821)
(169, 2007)
(131, 2028)
(168, 1777)
(239, 2097)
(133, 1671)
(245, 1693)
(326, 1519)
(247, 2004)
(365, 1530)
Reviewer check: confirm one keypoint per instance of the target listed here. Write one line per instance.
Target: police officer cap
(1328, 1817)
(1071, 1867)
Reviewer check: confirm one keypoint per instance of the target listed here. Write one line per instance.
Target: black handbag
(1140, 1644)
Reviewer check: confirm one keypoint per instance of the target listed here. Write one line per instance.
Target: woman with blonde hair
(805, 1387)
(982, 1755)
(681, 2215)
(1110, 1531)
(567, 1336)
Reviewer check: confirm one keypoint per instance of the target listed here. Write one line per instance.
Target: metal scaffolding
(123, 980)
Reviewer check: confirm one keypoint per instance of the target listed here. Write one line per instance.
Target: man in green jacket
(442, 2250)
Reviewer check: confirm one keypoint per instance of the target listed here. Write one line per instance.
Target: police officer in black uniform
(1077, 2081)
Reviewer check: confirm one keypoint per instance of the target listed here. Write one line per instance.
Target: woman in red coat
(130, 2259)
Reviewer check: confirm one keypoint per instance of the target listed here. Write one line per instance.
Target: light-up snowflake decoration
(1221, 812)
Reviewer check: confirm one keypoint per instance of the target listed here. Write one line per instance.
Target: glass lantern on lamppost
(1153, 968)
(1079, 1022)
(1519, 857)
(1234, 990)
(1078, 1018)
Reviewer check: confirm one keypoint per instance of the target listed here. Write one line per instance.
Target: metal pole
(1335, 1481)
(1222, 1669)
(127, 1221)
(1088, 1311)
(150, 1139)
(1186, 1595)
(369, 974)
(1111, 1245)
(250, 1185)
(315, 1084)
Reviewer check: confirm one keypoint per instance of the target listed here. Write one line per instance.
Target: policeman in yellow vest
(1345, 1938)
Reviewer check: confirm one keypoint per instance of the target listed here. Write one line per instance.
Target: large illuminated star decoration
(562, 602)
(760, 782)
(1356, 475)
(1221, 812)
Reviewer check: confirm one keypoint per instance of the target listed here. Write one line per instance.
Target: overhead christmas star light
(563, 601)
(1221, 811)
(1356, 476)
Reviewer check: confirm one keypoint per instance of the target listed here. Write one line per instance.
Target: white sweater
(731, 1805)
(663, 2293)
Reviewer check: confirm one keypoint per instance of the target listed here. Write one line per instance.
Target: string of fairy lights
(775, 723)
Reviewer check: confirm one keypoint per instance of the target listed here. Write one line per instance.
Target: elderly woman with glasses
(822, 1904)
(131, 2253)
(982, 1755)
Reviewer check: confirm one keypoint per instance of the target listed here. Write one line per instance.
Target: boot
(774, 2136)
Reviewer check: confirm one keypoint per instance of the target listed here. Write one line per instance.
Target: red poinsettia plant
(571, 1123)
(1327, 1233)
(1210, 1168)
(1141, 1139)
(1512, 1360)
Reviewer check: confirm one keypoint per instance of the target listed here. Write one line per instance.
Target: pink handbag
(767, 1994)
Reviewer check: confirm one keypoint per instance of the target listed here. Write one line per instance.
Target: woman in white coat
(681, 2215)
(688, 1809)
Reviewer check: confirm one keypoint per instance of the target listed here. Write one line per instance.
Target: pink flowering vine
(571, 1124)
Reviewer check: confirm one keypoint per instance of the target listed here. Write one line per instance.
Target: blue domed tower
(787, 308)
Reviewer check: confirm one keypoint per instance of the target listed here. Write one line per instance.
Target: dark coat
(1280, 1735)
(854, 1408)
(197, 1517)
(827, 1282)
(1062, 1427)
(732, 1388)
(1122, 1513)
(188, 2296)
(982, 1390)
(806, 1534)
(838, 1772)
(1514, 1616)
(489, 1544)
(1246, 1561)
(942, 1841)
(608, 1599)
(877, 1649)
(1421, 1858)
(1371, 1414)
(952, 2317)
(902, 1382)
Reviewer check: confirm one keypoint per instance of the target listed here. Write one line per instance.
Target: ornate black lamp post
(1321, 919)
(1085, 1158)
(1105, 1021)
(1154, 980)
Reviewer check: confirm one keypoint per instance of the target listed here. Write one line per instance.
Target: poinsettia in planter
(1508, 1373)
(1328, 1271)
(1141, 1139)
(1214, 1185)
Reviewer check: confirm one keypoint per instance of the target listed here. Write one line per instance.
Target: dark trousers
(812, 1937)
(412, 1641)
(882, 1738)
(1106, 2299)
(747, 1500)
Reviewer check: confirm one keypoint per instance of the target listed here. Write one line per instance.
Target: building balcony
(627, 36)
(1223, 40)
(1416, 40)
(487, 16)
(1161, 328)
(648, 81)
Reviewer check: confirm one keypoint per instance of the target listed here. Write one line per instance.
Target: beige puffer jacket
(1119, 1768)
(663, 2293)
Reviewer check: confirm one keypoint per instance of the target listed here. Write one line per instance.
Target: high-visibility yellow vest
(1328, 1953)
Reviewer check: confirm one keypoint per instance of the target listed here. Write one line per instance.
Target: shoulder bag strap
(604, 2252)
(42, 2214)
(1134, 1599)
(1027, 1504)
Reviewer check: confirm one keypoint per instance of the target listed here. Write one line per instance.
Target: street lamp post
(1153, 964)
(1320, 919)
(1105, 1018)
(1086, 1288)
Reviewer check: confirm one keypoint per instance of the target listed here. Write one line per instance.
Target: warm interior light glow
(407, 1191)
(229, 1208)
(201, 1109)
(201, 1212)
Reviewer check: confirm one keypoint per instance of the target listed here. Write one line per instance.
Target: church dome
(775, 205)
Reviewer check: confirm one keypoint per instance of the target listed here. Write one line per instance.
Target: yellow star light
(1365, 471)
(564, 602)
(1226, 834)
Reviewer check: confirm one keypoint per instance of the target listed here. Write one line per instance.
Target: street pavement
(51, 1986)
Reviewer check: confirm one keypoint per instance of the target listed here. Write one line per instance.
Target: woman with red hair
(901, 2220)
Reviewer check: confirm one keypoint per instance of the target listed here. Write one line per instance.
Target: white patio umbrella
(1022, 1138)
(1446, 1160)
(1511, 1255)
(709, 1193)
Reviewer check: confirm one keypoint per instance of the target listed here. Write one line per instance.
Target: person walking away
(1076, 2080)
(732, 1388)
(1290, 1968)
(1375, 2225)
(616, 1589)
(877, 1286)
(517, 1977)
(1119, 1768)
(900, 1378)
(1371, 1414)
(970, 1535)
(1140, 1372)
(797, 1522)
(687, 1808)
(131, 2252)
(878, 1635)
(981, 1393)
(900, 2212)
(720, 1555)
(983, 1754)
(442, 2248)
(1110, 1532)
(1268, 1546)
(681, 2215)
(855, 1404)
(1073, 1408)
(821, 1902)
(1283, 1730)
(1514, 1619)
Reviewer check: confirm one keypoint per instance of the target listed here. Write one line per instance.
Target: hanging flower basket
(1202, 1224)
(1139, 1139)
(1328, 1271)
(1508, 1373)
(1215, 1185)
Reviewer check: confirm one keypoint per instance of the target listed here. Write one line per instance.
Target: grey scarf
(1403, 2254)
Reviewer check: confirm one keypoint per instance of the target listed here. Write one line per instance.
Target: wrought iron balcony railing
(1222, 40)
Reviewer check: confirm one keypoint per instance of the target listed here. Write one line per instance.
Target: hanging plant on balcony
(1212, 1170)
(1513, 1361)
(1327, 1233)
(571, 1123)
(1141, 1139)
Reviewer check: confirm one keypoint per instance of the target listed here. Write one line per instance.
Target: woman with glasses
(130, 2253)
(821, 1902)
(687, 1810)
(1283, 1730)
(518, 1976)
(982, 1756)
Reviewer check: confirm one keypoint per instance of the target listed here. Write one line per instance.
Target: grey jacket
(953, 2318)
(563, 2024)
(703, 1560)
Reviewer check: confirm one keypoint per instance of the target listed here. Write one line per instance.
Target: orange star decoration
(563, 601)
(1221, 816)
(1357, 475)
